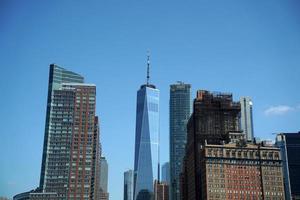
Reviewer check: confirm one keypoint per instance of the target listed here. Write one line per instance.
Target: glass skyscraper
(128, 185)
(246, 117)
(165, 173)
(71, 143)
(146, 158)
(180, 111)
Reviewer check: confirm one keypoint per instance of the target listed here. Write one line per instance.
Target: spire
(148, 67)
(148, 84)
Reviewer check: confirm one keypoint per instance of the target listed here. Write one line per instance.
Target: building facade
(104, 196)
(83, 140)
(219, 163)
(289, 144)
(57, 76)
(231, 171)
(161, 190)
(180, 111)
(247, 117)
(165, 173)
(214, 116)
(97, 151)
(36, 195)
(146, 158)
(71, 144)
(128, 185)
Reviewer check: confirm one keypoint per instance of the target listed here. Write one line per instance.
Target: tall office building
(180, 111)
(146, 158)
(214, 116)
(289, 144)
(71, 143)
(103, 178)
(128, 185)
(165, 173)
(57, 76)
(246, 117)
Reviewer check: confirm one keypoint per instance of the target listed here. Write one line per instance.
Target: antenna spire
(148, 67)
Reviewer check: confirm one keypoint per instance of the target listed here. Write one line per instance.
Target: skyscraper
(246, 117)
(214, 116)
(219, 163)
(128, 185)
(180, 111)
(57, 76)
(289, 144)
(103, 178)
(165, 173)
(146, 158)
(71, 143)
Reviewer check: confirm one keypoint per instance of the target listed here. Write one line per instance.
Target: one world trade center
(146, 158)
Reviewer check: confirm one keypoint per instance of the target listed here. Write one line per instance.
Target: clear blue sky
(247, 47)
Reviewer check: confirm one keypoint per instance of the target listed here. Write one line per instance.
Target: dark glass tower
(180, 111)
(289, 144)
(146, 158)
(128, 185)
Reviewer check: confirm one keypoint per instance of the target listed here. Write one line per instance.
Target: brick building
(219, 164)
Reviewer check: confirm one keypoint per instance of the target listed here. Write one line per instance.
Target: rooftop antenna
(148, 67)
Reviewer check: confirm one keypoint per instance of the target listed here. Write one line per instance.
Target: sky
(247, 47)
